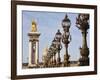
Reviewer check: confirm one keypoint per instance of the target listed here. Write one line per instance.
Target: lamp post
(48, 61)
(48, 57)
(83, 24)
(66, 38)
(54, 49)
(58, 45)
(51, 52)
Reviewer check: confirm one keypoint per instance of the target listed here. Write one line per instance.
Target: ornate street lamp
(82, 23)
(66, 38)
(58, 45)
(66, 24)
(49, 61)
(54, 50)
(51, 52)
(48, 57)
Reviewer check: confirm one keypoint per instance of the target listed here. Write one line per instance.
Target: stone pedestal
(66, 60)
(84, 60)
(33, 49)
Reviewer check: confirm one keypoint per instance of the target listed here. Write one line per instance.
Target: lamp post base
(58, 61)
(66, 60)
(84, 60)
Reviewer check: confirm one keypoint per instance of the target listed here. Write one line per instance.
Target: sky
(47, 24)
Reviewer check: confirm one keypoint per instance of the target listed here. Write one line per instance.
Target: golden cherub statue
(34, 26)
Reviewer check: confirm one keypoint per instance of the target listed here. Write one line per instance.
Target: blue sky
(48, 23)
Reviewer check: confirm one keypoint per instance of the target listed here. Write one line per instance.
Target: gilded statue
(34, 26)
